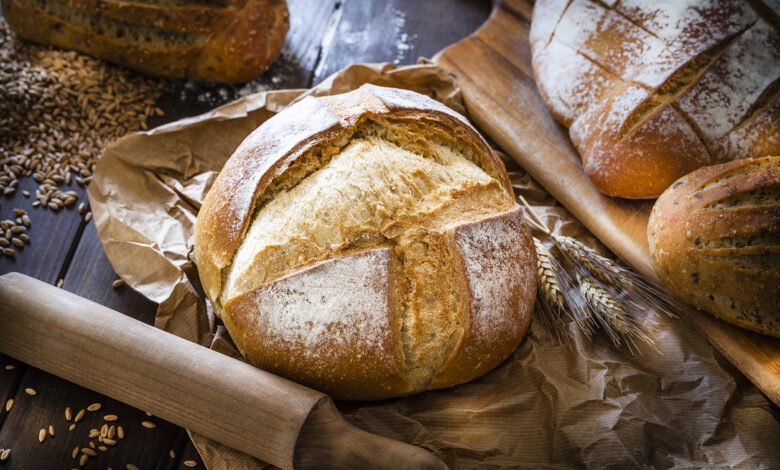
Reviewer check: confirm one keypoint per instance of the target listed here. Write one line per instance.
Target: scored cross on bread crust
(368, 244)
(653, 90)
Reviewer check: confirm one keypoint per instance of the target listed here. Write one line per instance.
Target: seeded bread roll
(368, 245)
(212, 40)
(715, 240)
(653, 90)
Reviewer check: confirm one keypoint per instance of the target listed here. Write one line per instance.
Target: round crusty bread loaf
(715, 241)
(368, 245)
(219, 40)
(653, 90)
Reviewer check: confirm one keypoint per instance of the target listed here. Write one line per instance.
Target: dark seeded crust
(714, 236)
(313, 123)
(230, 41)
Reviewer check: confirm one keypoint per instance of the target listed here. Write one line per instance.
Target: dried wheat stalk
(611, 314)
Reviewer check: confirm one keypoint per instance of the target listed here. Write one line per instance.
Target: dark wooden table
(325, 36)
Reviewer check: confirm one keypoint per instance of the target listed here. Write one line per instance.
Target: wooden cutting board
(493, 67)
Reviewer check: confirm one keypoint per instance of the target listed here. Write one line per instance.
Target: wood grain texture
(493, 67)
(47, 407)
(397, 31)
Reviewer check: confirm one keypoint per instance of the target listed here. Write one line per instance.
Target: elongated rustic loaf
(715, 240)
(368, 245)
(652, 90)
(211, 40)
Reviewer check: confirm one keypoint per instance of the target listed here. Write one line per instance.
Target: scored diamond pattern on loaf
(653, 90)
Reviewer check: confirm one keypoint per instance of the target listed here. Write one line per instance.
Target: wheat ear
(557, 293)
(549, 294)
(640, 290)
(609, 312)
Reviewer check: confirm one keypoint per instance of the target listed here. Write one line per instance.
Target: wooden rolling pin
(231, 402)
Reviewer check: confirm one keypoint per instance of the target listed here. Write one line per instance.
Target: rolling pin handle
(328, 441)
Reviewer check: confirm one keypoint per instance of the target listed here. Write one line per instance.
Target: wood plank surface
(494, 71)
(64, 247)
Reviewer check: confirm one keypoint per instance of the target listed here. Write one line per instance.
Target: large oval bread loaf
(212, 40)
(715, 241)
(652, 90)
(368, 244)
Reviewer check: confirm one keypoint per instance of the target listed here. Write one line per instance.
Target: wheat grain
(41, 435)
(89, 452)
(68, 414)
(190, 463)
(75, 452)
(94, 407)
(148, 424)
(71, 427)
(51, 430)
(9, 367)
(83, 460)
(110, 417)
(172, 454)
(4, 455)
(79, 415)
(9, 404)
(30, 391)
(120, 432)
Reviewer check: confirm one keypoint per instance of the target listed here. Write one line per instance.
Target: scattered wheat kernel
(148, 425)
(100, 438)
(51, 430)
(92, 444)
(68, 414)
(9, 367)
(79, 415)
(110, 417)
(89, 452)
(9, 404)
(104, 430)
(72, 427)
(103, 448)
(191, 463)
(111, 432)
(131, 467)
(41, 435)
(173, 454)
(88, 217)
(94, 407)
(59, 283)
(30, 391)
(75, 452)
(120, 432)
(4, 455)
(147, 413)
(108, 441)
(83, 460)
(94, 433)
(117, 284)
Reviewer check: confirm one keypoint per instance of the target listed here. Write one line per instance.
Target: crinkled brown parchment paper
(588, 406)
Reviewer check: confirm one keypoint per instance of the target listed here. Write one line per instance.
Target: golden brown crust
(715, 241)
(313, 124)
(497, 260)
(653, 90)
(428, 299)
(233, 41)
